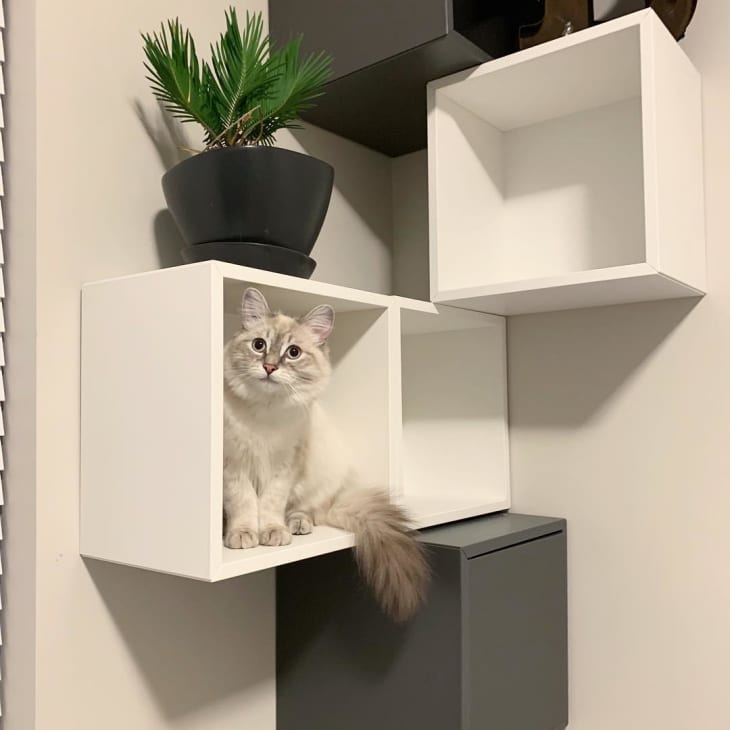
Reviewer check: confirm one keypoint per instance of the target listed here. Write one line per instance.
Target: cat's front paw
(299, 523)
(274, 535)
(240, 537)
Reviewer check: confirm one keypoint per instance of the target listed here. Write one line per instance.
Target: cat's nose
(269, 367)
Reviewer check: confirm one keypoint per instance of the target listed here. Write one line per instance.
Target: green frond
(296, 86)
(175, 76)
(246, 93)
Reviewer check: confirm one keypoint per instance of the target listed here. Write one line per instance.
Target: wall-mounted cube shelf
(152, 411)
(569, 175)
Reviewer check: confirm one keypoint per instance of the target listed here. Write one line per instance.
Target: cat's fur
(285, 469)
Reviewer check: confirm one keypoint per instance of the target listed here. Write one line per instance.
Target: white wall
(105, 646)
(620, 421)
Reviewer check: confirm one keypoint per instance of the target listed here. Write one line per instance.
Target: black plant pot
(263, 195)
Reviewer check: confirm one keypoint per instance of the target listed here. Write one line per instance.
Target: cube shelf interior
(152, 404)
(455, 450)
(569, 174)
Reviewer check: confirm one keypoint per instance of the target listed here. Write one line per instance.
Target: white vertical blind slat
(2, 337)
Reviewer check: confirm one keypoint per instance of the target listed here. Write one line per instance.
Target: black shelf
(386, 52)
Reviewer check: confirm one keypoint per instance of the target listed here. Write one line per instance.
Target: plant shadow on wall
(169, 140)
(195, 644)
(582, 358)
(350, 159)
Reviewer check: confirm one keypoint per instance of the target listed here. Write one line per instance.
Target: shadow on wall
(165, 134)
(355, 245)
(582, 358)
(339, 152)
(168, 240)
(195, 643)
(170, 143)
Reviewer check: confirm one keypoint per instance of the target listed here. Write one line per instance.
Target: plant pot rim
(249, 149)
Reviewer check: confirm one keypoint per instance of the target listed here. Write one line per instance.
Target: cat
(285, 468)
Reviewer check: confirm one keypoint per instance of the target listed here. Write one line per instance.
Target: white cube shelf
(152, 412)
(569, 175)
(455, 448)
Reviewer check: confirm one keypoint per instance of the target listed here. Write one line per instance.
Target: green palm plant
(247, 92)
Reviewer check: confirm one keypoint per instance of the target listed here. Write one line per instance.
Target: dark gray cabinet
(487, 652)
(385, 51)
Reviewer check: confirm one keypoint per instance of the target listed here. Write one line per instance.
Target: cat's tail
(391, 560)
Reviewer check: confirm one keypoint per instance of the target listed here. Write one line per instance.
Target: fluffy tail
(391, 560)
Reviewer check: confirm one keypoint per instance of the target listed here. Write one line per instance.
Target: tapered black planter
(268, 196)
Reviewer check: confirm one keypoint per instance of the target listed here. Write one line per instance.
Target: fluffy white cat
(285, 469)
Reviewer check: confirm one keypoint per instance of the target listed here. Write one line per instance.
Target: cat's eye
(293, 352)
(258, 344)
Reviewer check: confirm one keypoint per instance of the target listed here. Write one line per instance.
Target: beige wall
(119, 648)
(620, 421)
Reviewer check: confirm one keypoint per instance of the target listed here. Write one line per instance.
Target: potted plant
(241, 199)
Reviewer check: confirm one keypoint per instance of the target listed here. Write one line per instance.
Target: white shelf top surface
(292, 293)
(425, 510)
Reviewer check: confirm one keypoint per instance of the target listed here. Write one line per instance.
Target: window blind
(2, 325)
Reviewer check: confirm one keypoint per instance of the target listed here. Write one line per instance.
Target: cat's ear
(254, 308)
(320, 322)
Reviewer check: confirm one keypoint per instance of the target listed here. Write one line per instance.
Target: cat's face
(276, 357)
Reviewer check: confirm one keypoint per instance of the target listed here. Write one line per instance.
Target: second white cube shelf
(569, 175)
(419, 392)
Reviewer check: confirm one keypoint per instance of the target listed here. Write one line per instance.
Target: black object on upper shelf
(386, 52)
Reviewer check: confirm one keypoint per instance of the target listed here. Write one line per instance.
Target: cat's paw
(240, 537)
(274, 535)
(299, 523)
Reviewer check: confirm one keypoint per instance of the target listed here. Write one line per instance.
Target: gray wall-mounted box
(487, 652)
(385, 51)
